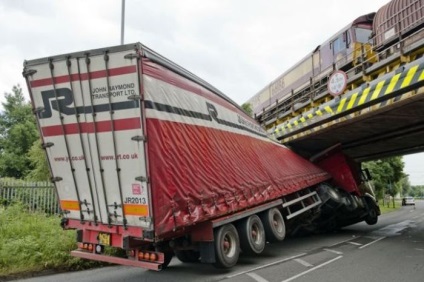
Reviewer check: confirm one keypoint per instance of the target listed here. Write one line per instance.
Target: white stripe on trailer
(163, 93)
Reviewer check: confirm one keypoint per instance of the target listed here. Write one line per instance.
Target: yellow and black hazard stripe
(404, 79)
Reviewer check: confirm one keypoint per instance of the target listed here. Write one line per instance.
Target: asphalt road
(391, 250)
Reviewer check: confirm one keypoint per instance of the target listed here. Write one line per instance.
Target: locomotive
(367, 40)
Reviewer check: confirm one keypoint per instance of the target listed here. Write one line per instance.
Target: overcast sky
(236, 45)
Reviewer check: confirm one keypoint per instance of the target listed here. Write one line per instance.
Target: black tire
(252, 235)
(372, 217)
(188, 255)
(227, 246)
(275, 229)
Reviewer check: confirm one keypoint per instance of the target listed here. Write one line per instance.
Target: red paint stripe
(88, 127)
(168, 76)
(83, 76)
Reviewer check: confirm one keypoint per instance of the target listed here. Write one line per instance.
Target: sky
(236, 45)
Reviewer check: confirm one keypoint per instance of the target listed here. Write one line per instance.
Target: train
(367, 40)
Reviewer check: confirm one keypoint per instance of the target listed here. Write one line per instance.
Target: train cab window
(363, 35)
(339, 45)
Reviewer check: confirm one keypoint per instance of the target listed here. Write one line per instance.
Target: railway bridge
(380, 114)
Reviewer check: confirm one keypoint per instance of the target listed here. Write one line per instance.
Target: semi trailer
(149, 158)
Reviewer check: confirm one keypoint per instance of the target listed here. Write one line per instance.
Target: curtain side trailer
(147, 157)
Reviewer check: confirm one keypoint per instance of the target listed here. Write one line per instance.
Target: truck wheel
(252, 235)
(227, 246)
(373, 213)
(187, 255)
(275, 229)
(372, 217)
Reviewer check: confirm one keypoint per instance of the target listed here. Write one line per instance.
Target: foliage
(18, 132)
(416, 191)
(31, 242)
(37, 157)
(386, 174)
(405, 186)
(247, 108)
(397, 204)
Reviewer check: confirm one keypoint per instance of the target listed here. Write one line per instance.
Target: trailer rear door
(89, 114)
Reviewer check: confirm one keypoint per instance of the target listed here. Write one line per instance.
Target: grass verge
(389, 208)
(34, 242)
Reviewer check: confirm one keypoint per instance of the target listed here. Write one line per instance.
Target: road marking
(354, 243)
(304, 263)
(333, 251)
(312, 269)
(344, 241)
(266, 265)
(256, 277)
(366, 245)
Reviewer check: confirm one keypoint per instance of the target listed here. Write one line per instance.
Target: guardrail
(36, 196)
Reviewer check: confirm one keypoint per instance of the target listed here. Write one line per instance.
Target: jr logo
(63, 101)
(212, 111)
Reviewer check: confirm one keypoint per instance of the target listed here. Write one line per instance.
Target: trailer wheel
(188, 255)
(252, 235)
(227, 246)
(275, 229)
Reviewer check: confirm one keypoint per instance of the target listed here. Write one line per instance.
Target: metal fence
(36, 196)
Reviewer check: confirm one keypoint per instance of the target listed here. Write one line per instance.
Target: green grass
(33, 242)
(386, 209)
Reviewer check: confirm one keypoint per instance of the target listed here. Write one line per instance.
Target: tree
(417, 191)
(247, 108)
(406, 186)
(37, 157)
(386, 175)
(18, 132)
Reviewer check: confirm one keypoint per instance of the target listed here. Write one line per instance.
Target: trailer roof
(146, 52)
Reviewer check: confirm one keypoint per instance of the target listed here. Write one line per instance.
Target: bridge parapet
(383, 92)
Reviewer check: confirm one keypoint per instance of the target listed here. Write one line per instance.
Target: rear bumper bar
(117, 260)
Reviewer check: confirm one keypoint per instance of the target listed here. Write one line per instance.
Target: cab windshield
(363, 35)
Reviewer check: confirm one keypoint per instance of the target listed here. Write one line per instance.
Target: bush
(32, 242)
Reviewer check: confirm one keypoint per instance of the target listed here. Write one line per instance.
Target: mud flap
(207, 252)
